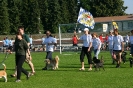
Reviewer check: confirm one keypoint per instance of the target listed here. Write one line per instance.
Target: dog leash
(4, 58)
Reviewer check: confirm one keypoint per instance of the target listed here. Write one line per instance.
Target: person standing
(131, 43)
(102, 41)
(110, 45)
(96, 43)
(118, 47)
(127, 41)
(43, 46)
(75, 39)
(21, 48)
(86, 49)
(31, 41)
(50, 43)
(28, 59)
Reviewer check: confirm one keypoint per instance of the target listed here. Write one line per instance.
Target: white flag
(86, 18)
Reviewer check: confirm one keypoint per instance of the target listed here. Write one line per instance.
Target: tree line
(41, 15)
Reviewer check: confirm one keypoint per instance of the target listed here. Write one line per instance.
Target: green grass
(68, 74)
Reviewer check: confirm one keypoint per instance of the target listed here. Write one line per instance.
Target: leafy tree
(53, 16)
(44, 13)
(72, 7)
(34, 17)
(4, 18)
(25, 12)
(14, 15)
(104, 8)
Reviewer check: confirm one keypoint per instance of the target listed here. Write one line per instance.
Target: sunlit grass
(68, 74)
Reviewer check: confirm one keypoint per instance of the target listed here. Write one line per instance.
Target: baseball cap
(86, 29)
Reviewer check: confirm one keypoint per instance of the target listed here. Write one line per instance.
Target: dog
(123, 56)
(3, 73)
(98, 63)
(131, 61)
(53, 64)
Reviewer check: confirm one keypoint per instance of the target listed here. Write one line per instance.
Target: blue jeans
(96, 52)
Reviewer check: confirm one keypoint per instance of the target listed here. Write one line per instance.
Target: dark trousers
(49, 55)
(19, 63)
(84, 52)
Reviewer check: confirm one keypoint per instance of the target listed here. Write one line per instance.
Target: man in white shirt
(118, 47)
(50, 43)
(86, 49)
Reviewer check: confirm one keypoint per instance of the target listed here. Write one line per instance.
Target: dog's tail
(56, 57)
(4, 67)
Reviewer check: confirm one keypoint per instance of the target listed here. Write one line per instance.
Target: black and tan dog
(131, 61)
(98, 63)
(123, 56)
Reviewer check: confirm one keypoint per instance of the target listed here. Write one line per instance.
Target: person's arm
(99, 46)
(122, 44)
(90, 45)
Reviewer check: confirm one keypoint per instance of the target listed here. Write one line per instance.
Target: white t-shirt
(96, 43)
(87, 39)
(110, 41)
(43, 40)
(131, 39)
(47, 41)
(30, 40)
(117, 40)
(11, 42)
(127, 38)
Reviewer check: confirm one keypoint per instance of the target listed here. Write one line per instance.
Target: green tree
(25, 12)
(34, 17)
(72, 7)
(14, 15)
(4, 18)
(44, 13)
(53, 16)
(104, 8)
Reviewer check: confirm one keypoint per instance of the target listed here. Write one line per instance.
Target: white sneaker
(18, 80)
(81, 69)
(90, 69)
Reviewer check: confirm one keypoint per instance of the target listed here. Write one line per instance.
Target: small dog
(123, 56)
(131, 61)
(3, 73)
(98, 63)
(52, 63)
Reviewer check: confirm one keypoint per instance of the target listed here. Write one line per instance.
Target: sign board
(105, 27)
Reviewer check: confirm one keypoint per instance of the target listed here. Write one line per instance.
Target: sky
(129, 4)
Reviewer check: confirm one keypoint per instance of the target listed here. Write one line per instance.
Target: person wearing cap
(118, 47)
(110, 45)
(86, 49)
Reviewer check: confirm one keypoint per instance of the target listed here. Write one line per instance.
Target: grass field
(68, 74)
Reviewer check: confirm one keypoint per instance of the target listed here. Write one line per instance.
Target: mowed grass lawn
(68, 74)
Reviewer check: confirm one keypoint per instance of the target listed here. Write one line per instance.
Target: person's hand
(88, 49)
(30, 58)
